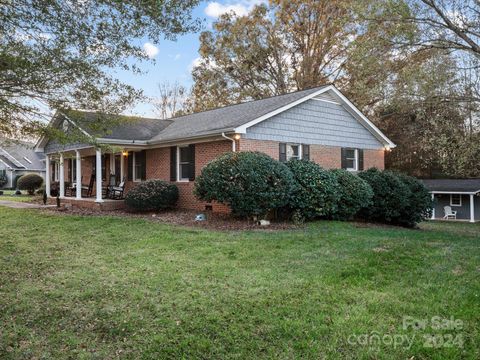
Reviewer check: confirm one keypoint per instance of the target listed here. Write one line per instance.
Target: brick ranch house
(319, 124)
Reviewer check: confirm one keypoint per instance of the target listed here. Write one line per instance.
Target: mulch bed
(180, 217)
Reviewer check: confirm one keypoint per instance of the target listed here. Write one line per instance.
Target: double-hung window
(294, 152)
(455, 199)
(351, 159)
(185, 158)
(137, 166)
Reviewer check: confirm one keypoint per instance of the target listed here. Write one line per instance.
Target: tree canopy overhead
(56, 54)
(411, 65)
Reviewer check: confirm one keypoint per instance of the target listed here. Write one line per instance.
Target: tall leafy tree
(57, 53)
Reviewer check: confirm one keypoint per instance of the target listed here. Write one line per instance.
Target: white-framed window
(455, 199)
(138, 165)
(184, 163)
(351, 159)
(294, 151)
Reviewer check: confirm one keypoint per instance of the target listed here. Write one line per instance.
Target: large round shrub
(315, 191)
(251, 183)
(391, 197)
(29, 182)
(152, 195)
(420, 202)
(354, 193)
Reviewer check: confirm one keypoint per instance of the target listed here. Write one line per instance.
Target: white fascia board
(39, 147)
(456, 192)
(371, 126)
(357, 113)
(8, 166)
(121, 141)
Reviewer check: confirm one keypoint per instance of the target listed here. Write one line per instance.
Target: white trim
(122, 142)
(243, 128)
(78, 169)
(433, 207)
(47, 176)
(451, 202)
(456, 192)
(134, 170)
(472, 208)
(362, 118)
(8, 166)
(178, 164)
(355, 159)
(327, 101)
(62, 176)
(98, 176)
(300, 154)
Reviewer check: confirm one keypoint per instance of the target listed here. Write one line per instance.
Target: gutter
(232, 140)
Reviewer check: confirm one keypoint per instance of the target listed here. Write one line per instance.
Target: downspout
(234, 147)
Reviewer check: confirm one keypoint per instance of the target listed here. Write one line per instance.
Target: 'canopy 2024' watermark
(436, 332)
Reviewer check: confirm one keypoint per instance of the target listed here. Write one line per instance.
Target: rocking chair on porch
(116, 192)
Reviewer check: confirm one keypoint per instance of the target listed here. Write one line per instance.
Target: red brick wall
(266, 146)
(374, 158)
(158, 167)
(328, 157)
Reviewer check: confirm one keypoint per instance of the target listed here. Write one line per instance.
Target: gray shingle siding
(315, 122)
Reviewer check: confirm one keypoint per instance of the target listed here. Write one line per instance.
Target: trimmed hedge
(315, 191)
(354, 193)
(251, 183)
(420, 202)
(398, 199)
(152, 195)
(30, 182)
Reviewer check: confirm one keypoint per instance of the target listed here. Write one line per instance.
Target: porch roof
(467, 186)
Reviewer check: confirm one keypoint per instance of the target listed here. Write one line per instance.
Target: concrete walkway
(23, 205)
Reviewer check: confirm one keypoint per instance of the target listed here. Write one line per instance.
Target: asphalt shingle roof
(455, 185)
(227, 118)
(203, 123)
(20, 150)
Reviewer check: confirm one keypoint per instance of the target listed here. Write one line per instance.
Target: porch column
(47, 175)
(98, 175)
(433, 209)
(62, 177)
(79, 174)
(112, 164)
(122, 166)
(472, 208)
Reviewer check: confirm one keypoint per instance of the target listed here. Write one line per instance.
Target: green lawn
(101, 287)
(10, 195)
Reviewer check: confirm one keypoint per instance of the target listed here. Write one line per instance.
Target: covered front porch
(88, 177)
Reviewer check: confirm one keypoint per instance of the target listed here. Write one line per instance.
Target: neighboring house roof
(229, 119)
(453, 185)
(20, 155)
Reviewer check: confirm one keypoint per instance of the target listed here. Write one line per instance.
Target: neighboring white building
(18, 158)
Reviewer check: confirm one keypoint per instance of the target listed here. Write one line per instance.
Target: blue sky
(172, 60)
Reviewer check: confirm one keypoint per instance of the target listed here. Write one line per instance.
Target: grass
(100, 287)
(10, 196)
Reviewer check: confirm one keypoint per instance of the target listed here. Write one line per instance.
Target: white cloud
(177, 56)
(195, 62)
(150, 50)
(215, 9)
